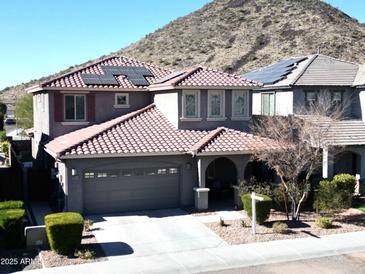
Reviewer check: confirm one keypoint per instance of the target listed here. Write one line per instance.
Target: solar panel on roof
(275, 72)
(134, 74)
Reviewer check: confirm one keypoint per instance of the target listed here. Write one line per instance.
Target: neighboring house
(291, 84)
(121, 135)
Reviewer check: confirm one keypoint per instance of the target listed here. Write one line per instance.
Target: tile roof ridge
(102, 127)
(198, 146)
(187, 73)
(311, 58)
(78, 68)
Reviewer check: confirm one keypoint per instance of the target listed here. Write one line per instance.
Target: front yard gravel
(52, 259)
(234, 233)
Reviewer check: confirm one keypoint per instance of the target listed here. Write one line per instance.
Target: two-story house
(120, 135)
(297, 82)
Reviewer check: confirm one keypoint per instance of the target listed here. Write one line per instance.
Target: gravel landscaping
(234, 233)
(52, 259)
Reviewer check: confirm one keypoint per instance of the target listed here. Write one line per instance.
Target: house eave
(119, 155)
(170, 87)
(89, 89)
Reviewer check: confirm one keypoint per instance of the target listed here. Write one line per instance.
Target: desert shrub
(336, 194)
(280, 227)
(2, 136)
(324, 222)
(252, 185)
(85, 254)
(243, 223)
(221, 222)
(11, 205)
(11, 226)
(4, 147)
(262, 207)
(345, 185)
(64, 231)
(88, 224)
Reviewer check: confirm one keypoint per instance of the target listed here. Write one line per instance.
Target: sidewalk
(225, 257)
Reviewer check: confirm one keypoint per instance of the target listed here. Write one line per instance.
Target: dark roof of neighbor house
(112, 73)
(148, 132)
(310, 70)
(200, 76)
(345, 133)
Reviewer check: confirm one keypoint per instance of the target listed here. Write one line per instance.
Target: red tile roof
(203, 77)
(73, 79)
(147, 131)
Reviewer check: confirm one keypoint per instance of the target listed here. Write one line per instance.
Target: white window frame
(116, 105)
(64, 108)
(262, 101)
(222, 116)
(196, 93)
(246, 115)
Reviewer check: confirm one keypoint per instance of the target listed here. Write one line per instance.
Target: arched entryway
(220, 176)
(347, 162)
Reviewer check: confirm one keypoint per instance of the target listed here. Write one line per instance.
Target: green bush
(64, 231)
(262, 207)
(324, 222)
(11, 205)
(345, 185)
(11, 226)
(336, 194)
(2, 136)
(280, 227)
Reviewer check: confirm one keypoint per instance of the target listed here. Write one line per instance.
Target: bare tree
(302, 137)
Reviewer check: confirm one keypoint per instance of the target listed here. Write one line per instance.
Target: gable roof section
(148, 132)
(199, 77)
(328, 71)
(73, 79)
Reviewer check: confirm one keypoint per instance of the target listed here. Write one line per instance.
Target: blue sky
(41, 37)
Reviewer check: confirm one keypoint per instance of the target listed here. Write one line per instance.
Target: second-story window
(311, 97)
(337, 97)
(191, 100)
(121, 100)
(216, 103)
(240, 104)
(75, 107)
(268, 103)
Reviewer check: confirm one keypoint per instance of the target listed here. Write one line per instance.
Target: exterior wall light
(74, 172)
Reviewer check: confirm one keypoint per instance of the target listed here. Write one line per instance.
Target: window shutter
(90, 104)
(58, 107)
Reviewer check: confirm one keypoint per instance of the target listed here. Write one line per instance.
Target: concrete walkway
(40, 209)
(227, 257)
(224, 215)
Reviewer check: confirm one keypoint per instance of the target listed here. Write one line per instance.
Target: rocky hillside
(241, 35)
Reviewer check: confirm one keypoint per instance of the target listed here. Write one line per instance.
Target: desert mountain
(241, 35)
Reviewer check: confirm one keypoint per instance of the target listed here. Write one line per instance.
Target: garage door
(130, 189)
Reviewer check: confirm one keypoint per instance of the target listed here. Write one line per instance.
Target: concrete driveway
(146, 233)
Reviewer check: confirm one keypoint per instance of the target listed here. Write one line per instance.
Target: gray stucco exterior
(189, 177)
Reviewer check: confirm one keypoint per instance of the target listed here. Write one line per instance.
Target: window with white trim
(121, 100)
(268, 103)
(240, 104)
(190, 103)
(75, 108)
(216, 103)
